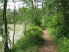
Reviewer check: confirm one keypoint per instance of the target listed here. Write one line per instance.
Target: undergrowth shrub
(60, 40)
(31, 42)
(59, 33)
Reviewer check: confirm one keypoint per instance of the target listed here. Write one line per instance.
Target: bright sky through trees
(18, 4)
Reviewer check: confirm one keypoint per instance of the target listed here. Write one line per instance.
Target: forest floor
(48, 45)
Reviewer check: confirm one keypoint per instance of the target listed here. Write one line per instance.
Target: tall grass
(61, 41)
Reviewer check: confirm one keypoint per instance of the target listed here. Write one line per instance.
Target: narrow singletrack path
(48, 45)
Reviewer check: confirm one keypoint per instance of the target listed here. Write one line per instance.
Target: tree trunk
(6, 48)
(14, 21)
(32, 4)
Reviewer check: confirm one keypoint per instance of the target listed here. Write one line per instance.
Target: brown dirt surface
(48, 45)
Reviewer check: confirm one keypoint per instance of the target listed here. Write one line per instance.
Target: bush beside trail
(31, 42)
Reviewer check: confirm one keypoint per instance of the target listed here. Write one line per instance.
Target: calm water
(18, 31)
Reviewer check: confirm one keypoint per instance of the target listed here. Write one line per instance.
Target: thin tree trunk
(14, 21)
(37, 3)
(57, 10)
(6, 48)
(33, 11)
(32, 4)
(64, 12)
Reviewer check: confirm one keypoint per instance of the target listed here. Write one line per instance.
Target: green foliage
(31, 42)
(1, 31)
(60, 40)
(63, 44)
(30, 15)
(57, 31)
(56, 22)
(1, 46)
(10, 15)
(35, 31)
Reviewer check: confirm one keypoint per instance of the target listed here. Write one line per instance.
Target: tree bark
(14, 21)
(6, 48)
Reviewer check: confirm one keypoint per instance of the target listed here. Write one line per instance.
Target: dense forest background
(52, 15)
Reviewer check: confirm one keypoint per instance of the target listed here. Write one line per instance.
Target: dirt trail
(48, 45)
